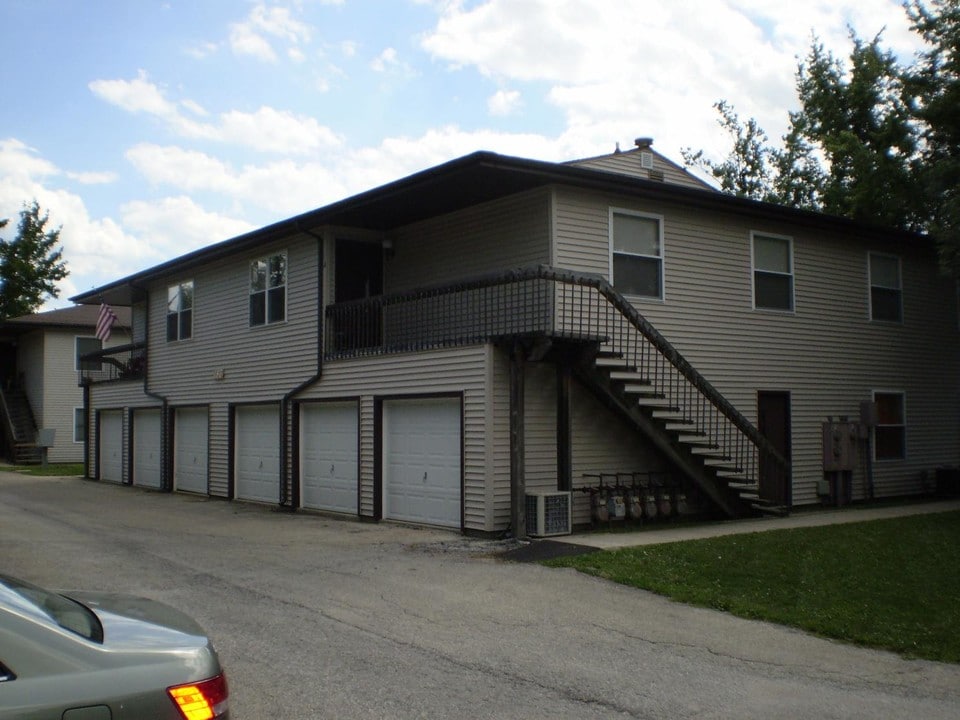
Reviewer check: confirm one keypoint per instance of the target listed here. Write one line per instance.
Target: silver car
(103, 656)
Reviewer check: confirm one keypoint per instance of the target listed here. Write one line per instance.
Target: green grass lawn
(51, 469)
(891, 584)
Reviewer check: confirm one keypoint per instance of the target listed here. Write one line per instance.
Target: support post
(564, 428)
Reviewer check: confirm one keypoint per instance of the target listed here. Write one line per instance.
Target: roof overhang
(464, 182)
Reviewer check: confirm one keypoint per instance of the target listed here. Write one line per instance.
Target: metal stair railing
(546, 301)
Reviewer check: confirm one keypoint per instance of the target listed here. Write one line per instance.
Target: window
(772, 272)
(890, 434)
(79, 425)
(268, 290)
(637, 262)
(180, 311)
(83, 346)
(886, 293)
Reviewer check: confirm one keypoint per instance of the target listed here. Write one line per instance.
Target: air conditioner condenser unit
(548, 514)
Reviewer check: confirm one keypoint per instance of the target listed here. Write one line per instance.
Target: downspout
(166, 479)
(291, 501)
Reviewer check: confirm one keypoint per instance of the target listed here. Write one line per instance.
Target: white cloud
(385, 60)
(266, 130)
(92, 177)
(616, 70)
(250, 37)
(503, 102)
(176, 225)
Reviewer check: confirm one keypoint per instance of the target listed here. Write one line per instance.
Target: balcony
(120, 362)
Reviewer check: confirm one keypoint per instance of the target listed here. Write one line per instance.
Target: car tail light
(204, 700)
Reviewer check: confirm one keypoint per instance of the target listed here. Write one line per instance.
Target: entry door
(190, 452)
(358, 275)
(146, 448)
(111, 446)
(329, 446)
(773, 422)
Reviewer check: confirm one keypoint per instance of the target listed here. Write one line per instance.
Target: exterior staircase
(20, 428)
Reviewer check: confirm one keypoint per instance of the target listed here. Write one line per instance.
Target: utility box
(46, 437)
(840, 446)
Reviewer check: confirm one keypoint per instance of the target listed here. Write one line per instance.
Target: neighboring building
(434, 349)
(40, 372)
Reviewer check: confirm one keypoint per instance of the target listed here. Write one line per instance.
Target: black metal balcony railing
(559, 304)
(120, 362)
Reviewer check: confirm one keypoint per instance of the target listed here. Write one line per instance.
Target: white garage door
(146, 448)
(190, 450)
(421, 461)
(111, 446)
(328, 460)
(257, 467)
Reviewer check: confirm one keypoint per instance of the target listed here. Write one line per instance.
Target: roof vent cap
(643, 142)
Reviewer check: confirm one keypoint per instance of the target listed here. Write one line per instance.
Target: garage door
(257, 442)
(146, 448)
(111, 445)
(328, 461)
(421, 461)
(190, 450)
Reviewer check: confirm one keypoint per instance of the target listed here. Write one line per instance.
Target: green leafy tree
(30, 265)
(934, 83)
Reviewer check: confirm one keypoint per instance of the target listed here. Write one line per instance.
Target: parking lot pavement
(316, 617)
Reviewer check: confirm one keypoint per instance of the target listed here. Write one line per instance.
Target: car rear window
(65, 612)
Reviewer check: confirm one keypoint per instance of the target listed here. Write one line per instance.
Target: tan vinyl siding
(628, 163)
(492, 237)
(540, 427)
(61, 394)
(258, 363)
(455, 371)
(827, 353)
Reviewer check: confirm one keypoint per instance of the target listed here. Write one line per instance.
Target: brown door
(773, 422)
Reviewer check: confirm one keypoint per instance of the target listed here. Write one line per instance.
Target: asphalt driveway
(321, 618)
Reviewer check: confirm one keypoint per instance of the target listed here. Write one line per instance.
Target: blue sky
(150, 128)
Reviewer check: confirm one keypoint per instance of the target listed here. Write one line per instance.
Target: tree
(30, 264)
(934, 82)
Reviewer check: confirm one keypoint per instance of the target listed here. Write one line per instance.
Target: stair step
(743, 486)
(629, 376)
(676, 426)
(732, 475)
(652, 401)
(612, 361)
(719, 462)
(695, 440)
(635, 389)
(772, 509)
(674, 414)
(711, 451)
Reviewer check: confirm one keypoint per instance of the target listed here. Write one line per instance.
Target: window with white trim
(636, 242)
(890, 433)
(268, 290)
(79, 425)
(772, 272)
(180, 311)
(82, 346)
(886, 288)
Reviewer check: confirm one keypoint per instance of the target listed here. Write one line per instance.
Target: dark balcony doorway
(773, 422)
(358, 275)
(358, 270)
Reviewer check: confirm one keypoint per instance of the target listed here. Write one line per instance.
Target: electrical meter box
(840, 446)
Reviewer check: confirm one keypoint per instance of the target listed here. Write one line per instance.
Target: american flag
(105, 322)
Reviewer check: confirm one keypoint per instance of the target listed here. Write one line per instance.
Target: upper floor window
(772, 272)
(637, 254)
(268, 289)
(890, 433)
(180, 311)
(886, 288)
(82, 346)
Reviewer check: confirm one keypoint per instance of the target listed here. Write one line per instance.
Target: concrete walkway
(799, 519)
